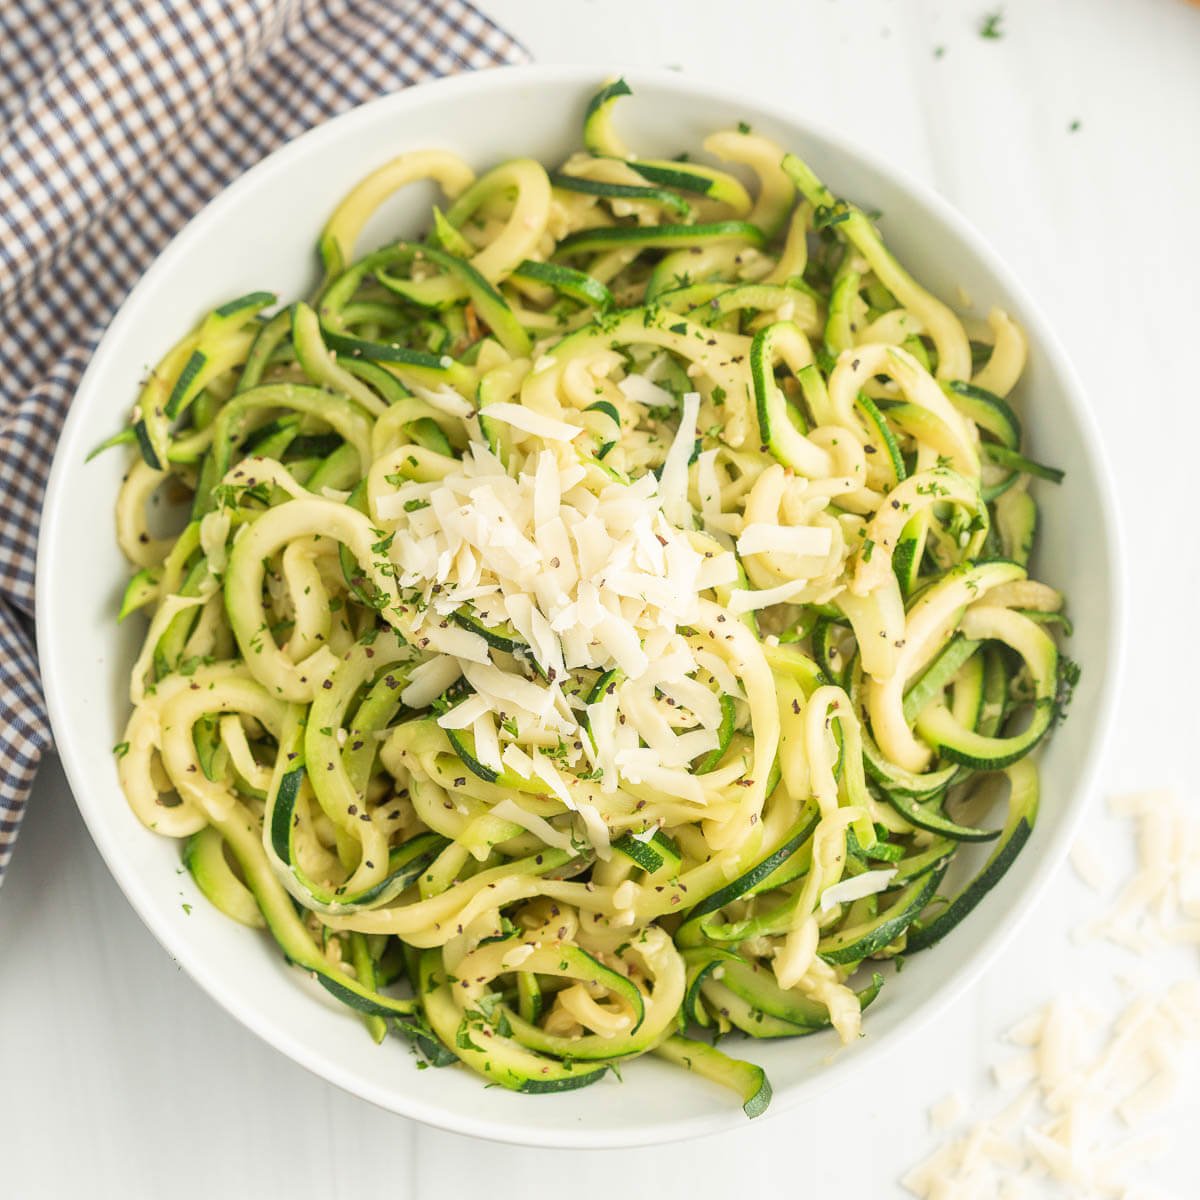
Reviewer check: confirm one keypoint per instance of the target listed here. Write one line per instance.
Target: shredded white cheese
(744, 600)
(1087, 1075)
(528, 421)
(510, 810)
(867, 884)
(1090, 866)
(516, 956)
(1160, 901)
(804, 540)
(586, 575)
(674, 483)
(946, 1112)
(444, 399)
(429, 680)
(641, 390)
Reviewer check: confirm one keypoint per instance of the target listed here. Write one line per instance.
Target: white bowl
(260, 233)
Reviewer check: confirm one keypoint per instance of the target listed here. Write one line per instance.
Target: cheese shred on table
(600, 619)
(1090, 1086)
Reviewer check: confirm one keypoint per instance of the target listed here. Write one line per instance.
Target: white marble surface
(119, 1078)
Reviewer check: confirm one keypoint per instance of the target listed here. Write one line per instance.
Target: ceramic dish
(259, 233)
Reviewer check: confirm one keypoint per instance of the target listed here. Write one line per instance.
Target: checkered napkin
(119, 119)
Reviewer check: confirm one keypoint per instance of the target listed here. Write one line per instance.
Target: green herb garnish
(990, 28)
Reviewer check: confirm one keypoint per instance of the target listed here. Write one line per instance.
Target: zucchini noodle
(603, 619)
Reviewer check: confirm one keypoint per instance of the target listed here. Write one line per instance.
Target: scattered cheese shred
(1159, 902)
(527, 421)
(946, 1112)
(674, 481)
(745, 600)
(869, 883)
(641, 390)
(444, 399)
(1090, 866)
(510, 810)
(804, 540)
(429, 680)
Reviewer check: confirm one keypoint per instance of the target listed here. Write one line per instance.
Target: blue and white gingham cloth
(119, 119)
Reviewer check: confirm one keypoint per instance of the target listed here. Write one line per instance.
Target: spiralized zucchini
(728, 350)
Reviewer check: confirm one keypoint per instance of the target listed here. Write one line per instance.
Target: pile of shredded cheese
(1077, 1094)
(1084, 1082)
(587, 578)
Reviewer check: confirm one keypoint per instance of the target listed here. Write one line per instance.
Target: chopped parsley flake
(990, 26)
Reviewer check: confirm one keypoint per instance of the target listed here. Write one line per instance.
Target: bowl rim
(55, 675)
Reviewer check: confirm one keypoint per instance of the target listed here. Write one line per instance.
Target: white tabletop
(118, 1077)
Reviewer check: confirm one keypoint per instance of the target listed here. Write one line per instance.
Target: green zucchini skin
(983, 752)
(989, 411)
(887, 439)
(712, 760)
(650, 855)
(141, 590)
(1022, 814)
(778, 434)
(660, 236)
(503, 1062)
(757, 873)
(569, 282)
(598, 135)
(667, 199)
(204, 857)
(922, 817)
(290, 933)
(853, 945)
(488, 302)
(747, 1080)
(695, 180)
